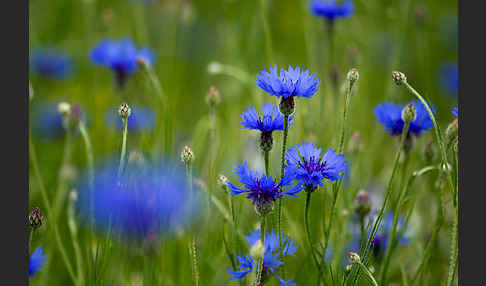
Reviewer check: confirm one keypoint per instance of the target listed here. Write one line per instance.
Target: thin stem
(266, 31)
(89, 153)
(266, 158)
(73, 228)
(387, 195)
(282, 172)
(307, 230)
(31, 235)
(365, 269)
(192, 247)
(124, 147)
(454, 253)
(33, 158)
(262, 240)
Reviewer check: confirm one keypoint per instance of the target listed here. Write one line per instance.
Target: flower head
(332, 9)
(271, 258)
(449, 78)
(51, 63)
(145, 201)
(293, 82)
(390, 115)
(260, 188)
(141, 119)
(455, 111)
(304, 162)
(121, 57)
(36, 261)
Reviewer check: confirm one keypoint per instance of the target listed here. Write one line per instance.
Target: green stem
(73, 228)
(387, 196)
(307, 230)
(31, 235)
(282, 172)
(124, 147)
(262, 240)
(192, 247)
(365, 269)
(89, 153)
(33, 158)
(266, 31)
(267, 160)
(454, 252)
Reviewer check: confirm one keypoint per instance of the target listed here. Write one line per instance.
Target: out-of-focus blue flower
(272, 119)
(455, 111)
(271, 261)
(331, 9)
(36, 260)
(305, 164)
(260, 188)
(140, 119)
(390, 115)
(120, 56)
(449, 78)
(47, 121)
(51, 63)
(145, 201)
(293, 82)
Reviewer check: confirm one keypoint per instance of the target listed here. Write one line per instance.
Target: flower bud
(187, 156)
(430, 152)
(36, 218)
(452, 131)
(335, 73)
(409, 113)
(355, 144)
(399, 77)
(353, 76)
(124, 110)
(222, 181)
(64, 108)
(354, 257)
(213, 98)
(257, 250)
(348, 268)
(362, 204)
(142, 63)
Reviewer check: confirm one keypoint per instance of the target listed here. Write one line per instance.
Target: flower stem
(365, 269)
(33, 158)
(282, 172)
(262, 239)
(307, 230)
(192, 246)
(266, 158)
(454, 252)
(89, 153)
(124, 147)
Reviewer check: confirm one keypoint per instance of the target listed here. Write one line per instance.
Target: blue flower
(48, 122)
(51, 63)
(331, 9)
(455, 111)
(448, 78)
(260, 188)
(36, 261)
(120, 56)
(305, 164)
(140, 119)
(146, 201)
(390, 115)
(271, 261)
(272, 119)
(293, 82)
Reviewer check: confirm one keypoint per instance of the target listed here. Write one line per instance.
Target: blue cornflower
(51, 63)
(305, 164)
(121, 57)
(271, 261)
(331, 9)
(287, 85)
(455, 111)
(449, 78)
(48, 122)
(144, 202)
(390, 115)
(36, 261)
(262, 190)
(272, 120)
(141, 119)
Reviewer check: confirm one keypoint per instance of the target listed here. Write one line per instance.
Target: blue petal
(36, 261)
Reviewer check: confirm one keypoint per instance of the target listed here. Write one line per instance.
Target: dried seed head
(124, 110)
(399, 77)
(187, 156)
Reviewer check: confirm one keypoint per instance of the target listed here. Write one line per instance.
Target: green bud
(409, 113)
(124, 110)
(399, 77)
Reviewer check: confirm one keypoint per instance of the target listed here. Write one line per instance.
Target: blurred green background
(192, 41)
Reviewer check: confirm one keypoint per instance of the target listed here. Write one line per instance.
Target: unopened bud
(124, 110)
(335, 73)
(452, 130)
(142, 62)
(257, 250)
(354, 257)
(348, 268)
(354, 144)
(36, 218)
(64, 108)
(222, 181)
(187, 156)
(409, 113)
(353, 76)
(399, 77)
(362, 204)
(213, 98)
